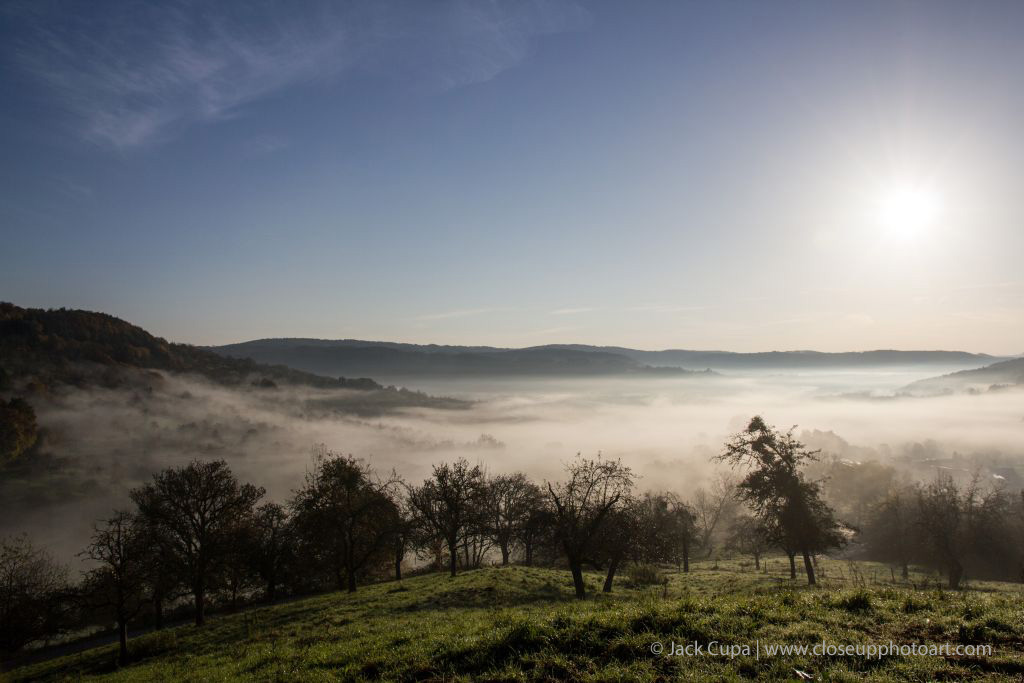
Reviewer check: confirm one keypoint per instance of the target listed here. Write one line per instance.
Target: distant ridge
(996, 376)
(42, 349)
(391, 359)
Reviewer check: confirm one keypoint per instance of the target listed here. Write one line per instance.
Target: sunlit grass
(522, 623)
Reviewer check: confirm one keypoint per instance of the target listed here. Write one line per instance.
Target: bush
(644, 574)
(858, 601)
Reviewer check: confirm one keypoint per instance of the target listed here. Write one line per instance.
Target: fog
(101, 443)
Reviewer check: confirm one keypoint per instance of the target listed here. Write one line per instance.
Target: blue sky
(664, 174)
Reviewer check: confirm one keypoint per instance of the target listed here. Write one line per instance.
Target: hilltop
(43, 349)
(391, 359)
(522, 624)
(995, 376)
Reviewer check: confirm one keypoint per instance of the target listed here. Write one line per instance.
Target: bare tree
(749, 536)
(449, 504)
(681, 534)
(713, 506)
(582, 503)
(274, 546)
(891, 531)
(623, 535)
(536, 530)
(194, 506)
(941, 520)
(118, 582)
(510, 500)
(32, 587)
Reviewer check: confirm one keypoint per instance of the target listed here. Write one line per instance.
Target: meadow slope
(521, 623)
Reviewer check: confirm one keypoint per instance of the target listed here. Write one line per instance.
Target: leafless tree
(713, 506)
(450, 503)
(582, 503)
(32, 587)
(118, 581)
(510, 500)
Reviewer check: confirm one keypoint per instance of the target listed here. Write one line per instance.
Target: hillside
(521, 624)
(390, 359)
(41, 349)
(997, 375)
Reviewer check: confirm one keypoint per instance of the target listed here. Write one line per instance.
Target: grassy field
(519, 623)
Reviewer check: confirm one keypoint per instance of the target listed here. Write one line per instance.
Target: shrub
(644, 574)
(858, 601)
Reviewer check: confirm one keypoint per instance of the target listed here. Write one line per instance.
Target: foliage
(18, 430)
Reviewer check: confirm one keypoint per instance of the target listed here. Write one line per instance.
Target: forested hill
(391, 359)
(80, 348)
(385, 359)
(991, 377)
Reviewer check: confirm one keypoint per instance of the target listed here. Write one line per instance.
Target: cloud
(137, 73)
(572, 311)
(667, 308)
(262, 145)
(464, 313)
(858, 319)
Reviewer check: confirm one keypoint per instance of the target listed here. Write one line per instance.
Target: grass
(522, 624)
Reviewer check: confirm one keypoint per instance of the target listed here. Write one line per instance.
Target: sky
(728, 175)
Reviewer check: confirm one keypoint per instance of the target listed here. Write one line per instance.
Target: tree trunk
(399, 556)
(577, 579)
(757, 561)
(686, 558)
(504, 554)
(122, 641)
(792, 564)
(453, 557)
(956, 573)
(271, 590)
(158, 612)
(528, 549)
(199, 592)
(350, 577)
(906, 571)
(614, 565)
(809, 568)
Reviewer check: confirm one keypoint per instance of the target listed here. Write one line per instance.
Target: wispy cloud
(138, 73)
(262, 145)
(572, 311)
(448, 315)
(667, 308)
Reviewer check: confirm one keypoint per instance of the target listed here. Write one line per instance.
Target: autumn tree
(18, 430)
(346, 511)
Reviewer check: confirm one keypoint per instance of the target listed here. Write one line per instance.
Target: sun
(906, 211)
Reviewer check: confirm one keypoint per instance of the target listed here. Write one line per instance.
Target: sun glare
(906, 211)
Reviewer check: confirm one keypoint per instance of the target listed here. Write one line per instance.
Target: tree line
(196, 534)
